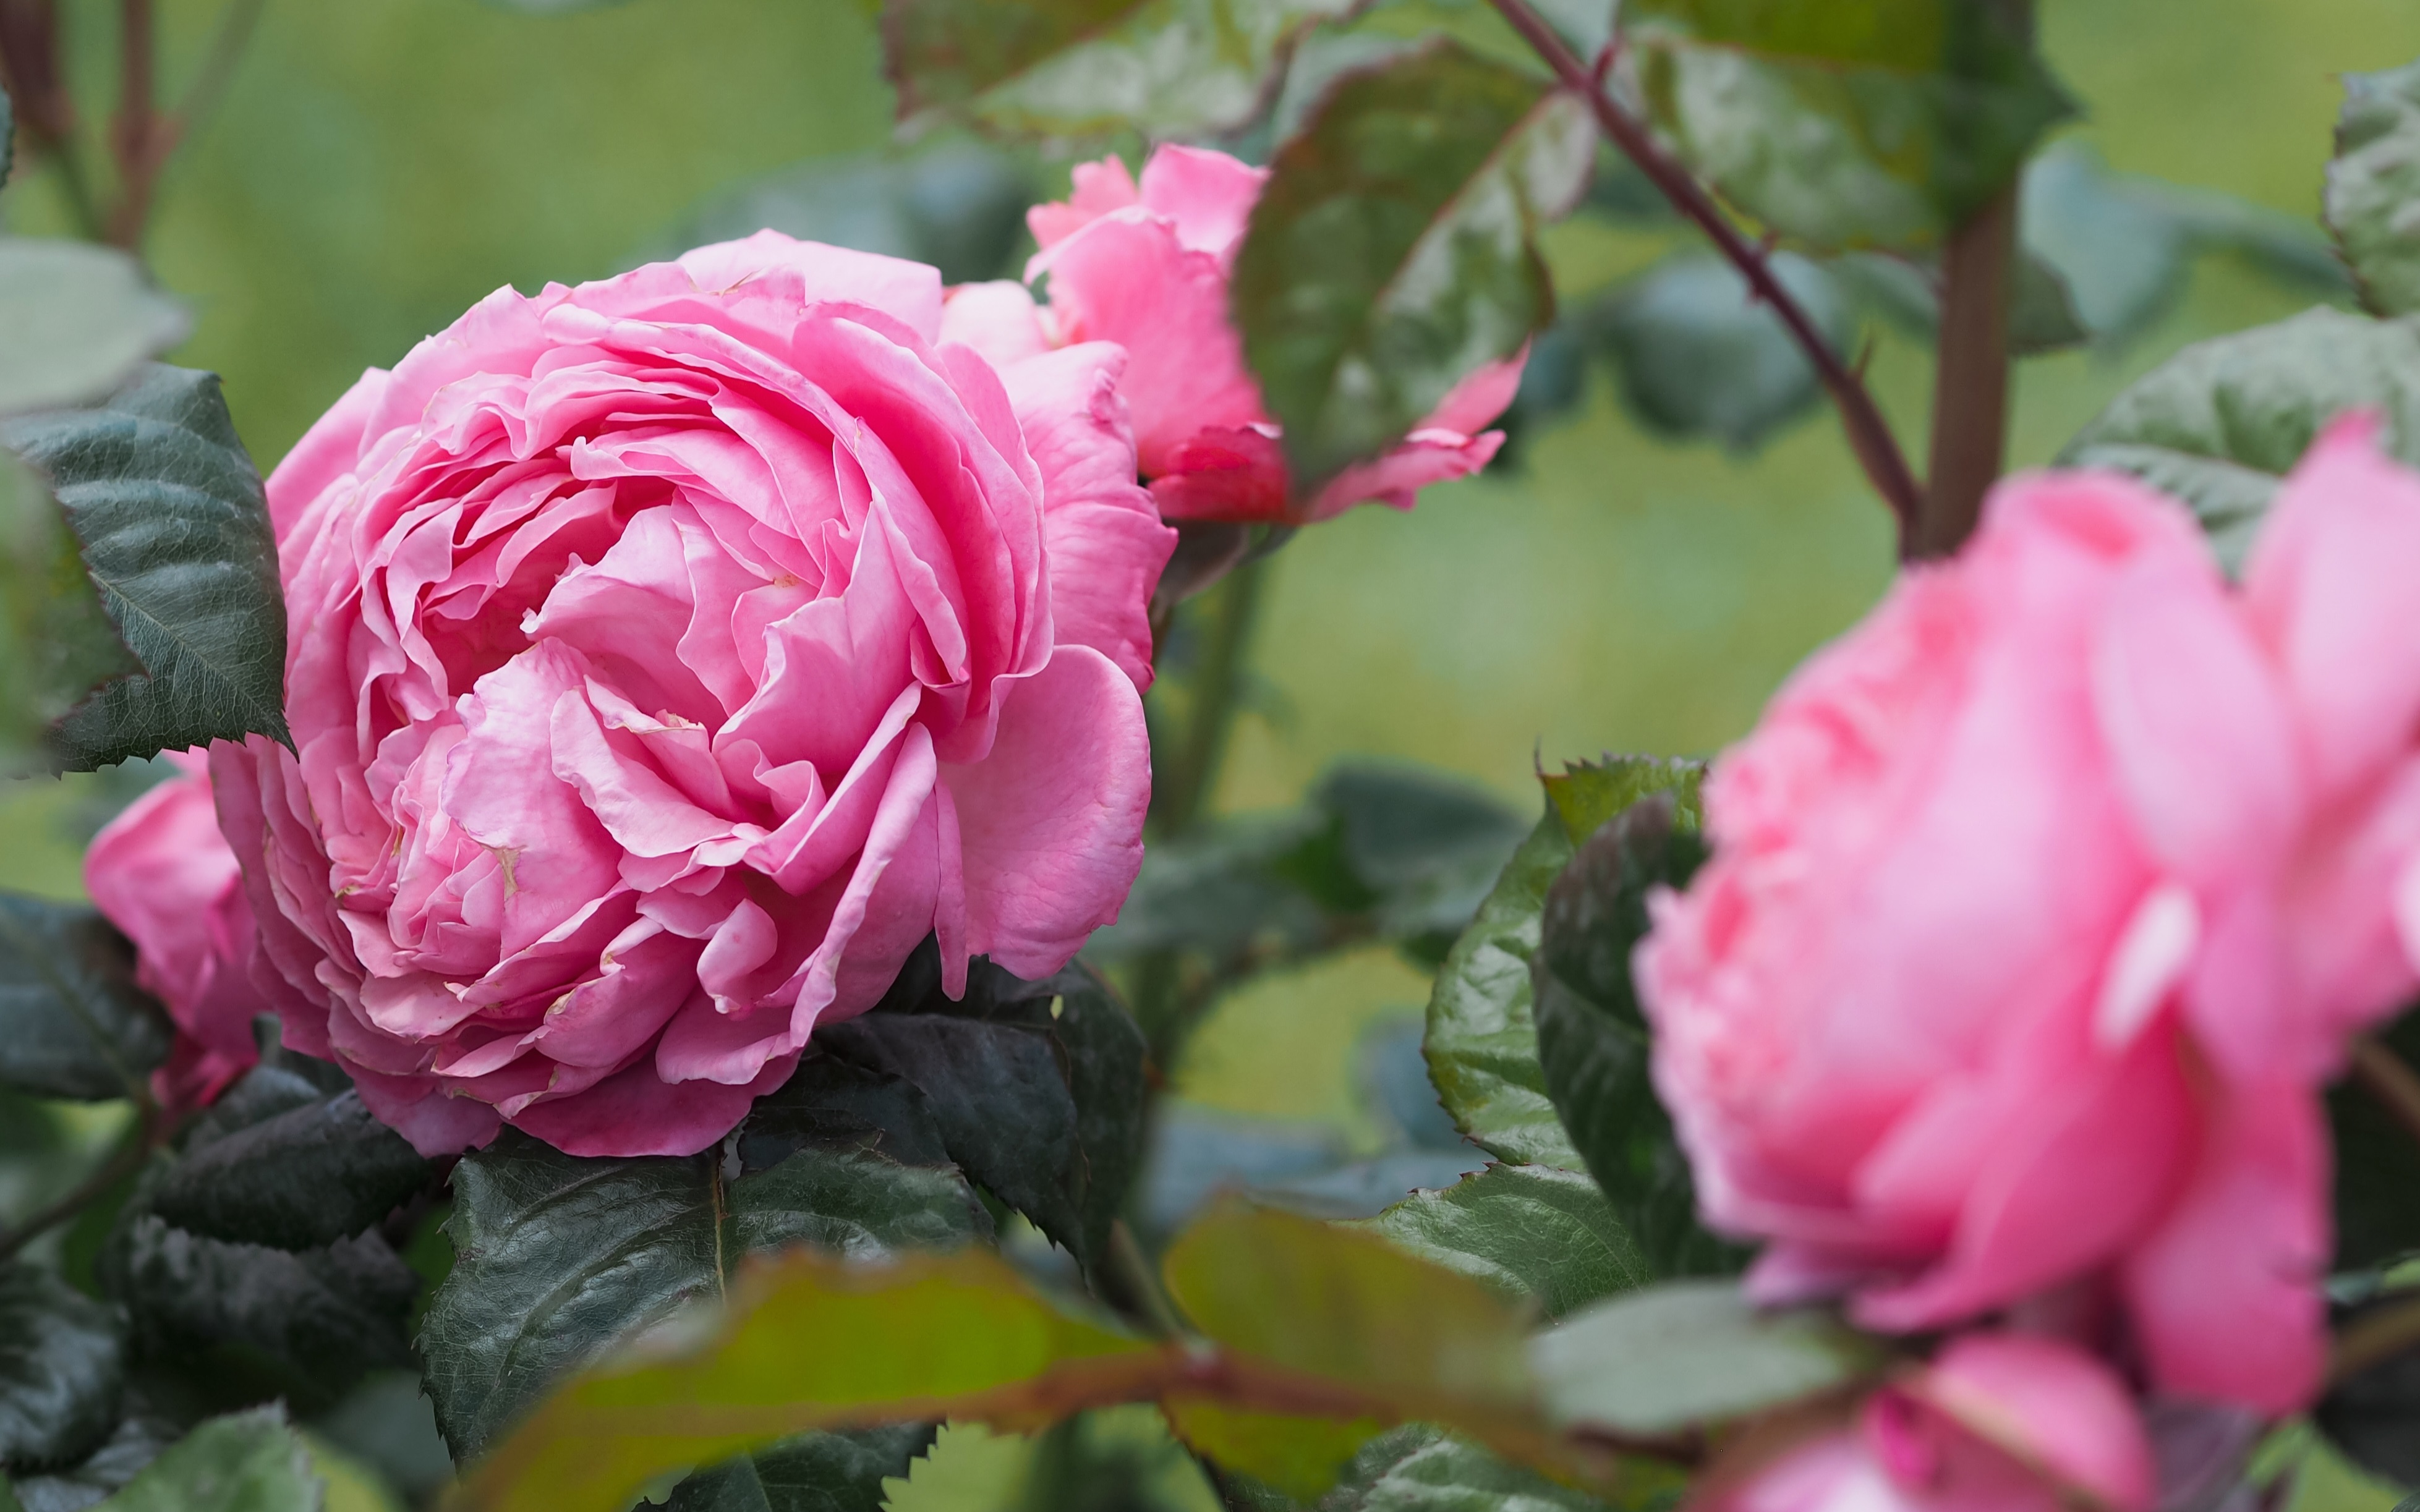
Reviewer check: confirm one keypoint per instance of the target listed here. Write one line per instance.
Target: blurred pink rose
(670, 656)
(2041, 905)
(162, 873)
(1147, 266)
(1999, 1423)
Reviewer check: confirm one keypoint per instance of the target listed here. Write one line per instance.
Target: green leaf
(1482, 1041)
(814, 1473)
(56, 641)
(1063, 69)
(1684, 1353)
(811, 1341)
(1421, 1469)
(61, 1370)
(1390, 253)
(557, 1259)
(1882, 125)
(1346, 1307)
(1698, 356)
(302, 1179)
(75, 320)
(959, 206)
(312, 1322)
(1592, 1040)
(2373, 199)
(1524, 1230)
(248, 1462)
(1037, 1088)
(1299, 1458)
(1586, 794)
(72, 1022)
(2219, 423)
(168, 508)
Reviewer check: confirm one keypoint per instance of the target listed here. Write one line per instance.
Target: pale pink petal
(1050, 847)
(910, 292)
(2054, 1407)
(2226, 1292)
(998, 319)
(1097, 189)
(1481, 394)
(1208, 194)
(2328, 583)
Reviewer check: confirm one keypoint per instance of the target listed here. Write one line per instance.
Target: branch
(139, 136)
(2391, 1083)
(1869, 434)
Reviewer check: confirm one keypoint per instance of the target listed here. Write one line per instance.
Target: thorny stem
(1869, 434)
(2390, 1083)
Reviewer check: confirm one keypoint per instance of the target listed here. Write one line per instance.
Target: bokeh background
(378, 165)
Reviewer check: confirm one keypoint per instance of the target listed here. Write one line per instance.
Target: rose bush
(670, 656)
(1146, 265)
(2040, 907)
(2001, 1422)
(163, 874)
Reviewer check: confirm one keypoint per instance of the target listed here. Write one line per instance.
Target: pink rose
(1147, 267)
(2040, 907)
(162, 873)
(670, 656)
(1999, 1423)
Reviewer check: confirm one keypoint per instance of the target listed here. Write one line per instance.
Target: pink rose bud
(2000, 1423)
(1146, 265)
(669, 656)
(2043, 904)
(162, 873)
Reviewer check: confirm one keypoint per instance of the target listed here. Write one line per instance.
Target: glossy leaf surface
(168, 509)
(1878, 125)
(305, 1178)
(72, 1022)
(1086, 68)
(1527, 1231)
(56, 641)
(2221, 422)
(1390, 253)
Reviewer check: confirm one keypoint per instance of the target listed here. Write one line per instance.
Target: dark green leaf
(959, 206)
(61, 1370)
(1527, 1230)
(1086, 68)
(1847, 126)
(2373, 201)
(2376, 1168)
(1421, 1469)
(1037, 1088)
(1483, 1041)
(829, 1104)
(56, 641)
(135, 1444)
(306, 1178)
(558, 1258)
(814, 1472)
(248, 1463)
(75, 320)
(2043, 316)
(168, 508)
(1390, 253)
(2221, 422)
(1684, 1353)
(311, 1322)
(1697, 355)
(72, 1022)
(2118, 252)
(1584, 794)
(1594, 1041)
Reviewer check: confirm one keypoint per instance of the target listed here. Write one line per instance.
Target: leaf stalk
(1869, 435)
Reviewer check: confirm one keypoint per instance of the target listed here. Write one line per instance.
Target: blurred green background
(377, 165)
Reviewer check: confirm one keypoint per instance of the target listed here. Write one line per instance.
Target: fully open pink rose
(1999, 1423)
(1147, 266)
(670, 656)
(2040, 907)
(162, 874)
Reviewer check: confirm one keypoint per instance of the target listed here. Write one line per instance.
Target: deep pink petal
(634, 1112)
(1395, 480)
(2054, 1407)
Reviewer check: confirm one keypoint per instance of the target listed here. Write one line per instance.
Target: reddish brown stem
(1869, 434)
(2390, 1083)
(1970, 384)
(139, 136)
